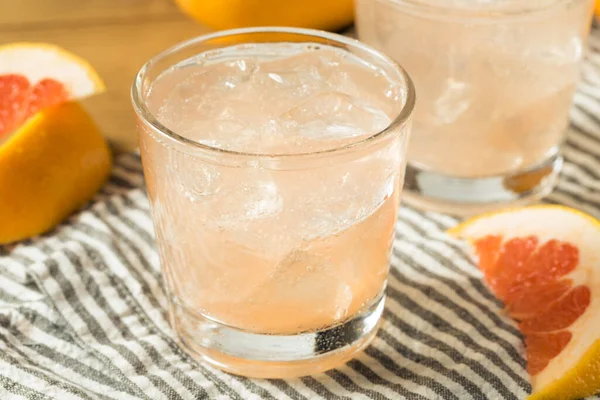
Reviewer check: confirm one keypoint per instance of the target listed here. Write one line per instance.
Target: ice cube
(219, 111)
(333, 115)
(305, 277)
(196, 179)
(342, 197)
(303, 274)
(566, 53)
(283, 83)
(252, 195)
(262, 199)
(454, 100)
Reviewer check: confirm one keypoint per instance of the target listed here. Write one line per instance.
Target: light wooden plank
(22, 14)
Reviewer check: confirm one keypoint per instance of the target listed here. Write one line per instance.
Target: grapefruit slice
(543, 262)
(34, 76)
(53, 158)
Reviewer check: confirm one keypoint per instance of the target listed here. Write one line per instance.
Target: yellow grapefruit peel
(49, 167)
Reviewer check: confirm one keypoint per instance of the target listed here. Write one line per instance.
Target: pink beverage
(495, 80)
(274, 161)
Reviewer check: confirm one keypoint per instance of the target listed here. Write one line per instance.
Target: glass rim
(148, 118)
(485, 10)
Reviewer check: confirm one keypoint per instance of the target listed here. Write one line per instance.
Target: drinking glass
(275, 262)
(495, 82)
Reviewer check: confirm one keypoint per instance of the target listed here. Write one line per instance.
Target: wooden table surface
(116, 36)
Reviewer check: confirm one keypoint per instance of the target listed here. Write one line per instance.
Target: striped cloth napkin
(82, 309)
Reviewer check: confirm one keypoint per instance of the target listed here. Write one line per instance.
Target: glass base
(433, 191)
(274, 356)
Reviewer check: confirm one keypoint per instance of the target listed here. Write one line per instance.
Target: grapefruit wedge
(34, 76)
(53, 158)
(543, 262)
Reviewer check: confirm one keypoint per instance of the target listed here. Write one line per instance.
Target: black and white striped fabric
(82, 309)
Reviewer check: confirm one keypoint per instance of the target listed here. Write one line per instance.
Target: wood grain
(116, 36)
(18, 14)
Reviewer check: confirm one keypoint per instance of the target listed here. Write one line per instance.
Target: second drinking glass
(495, 82)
